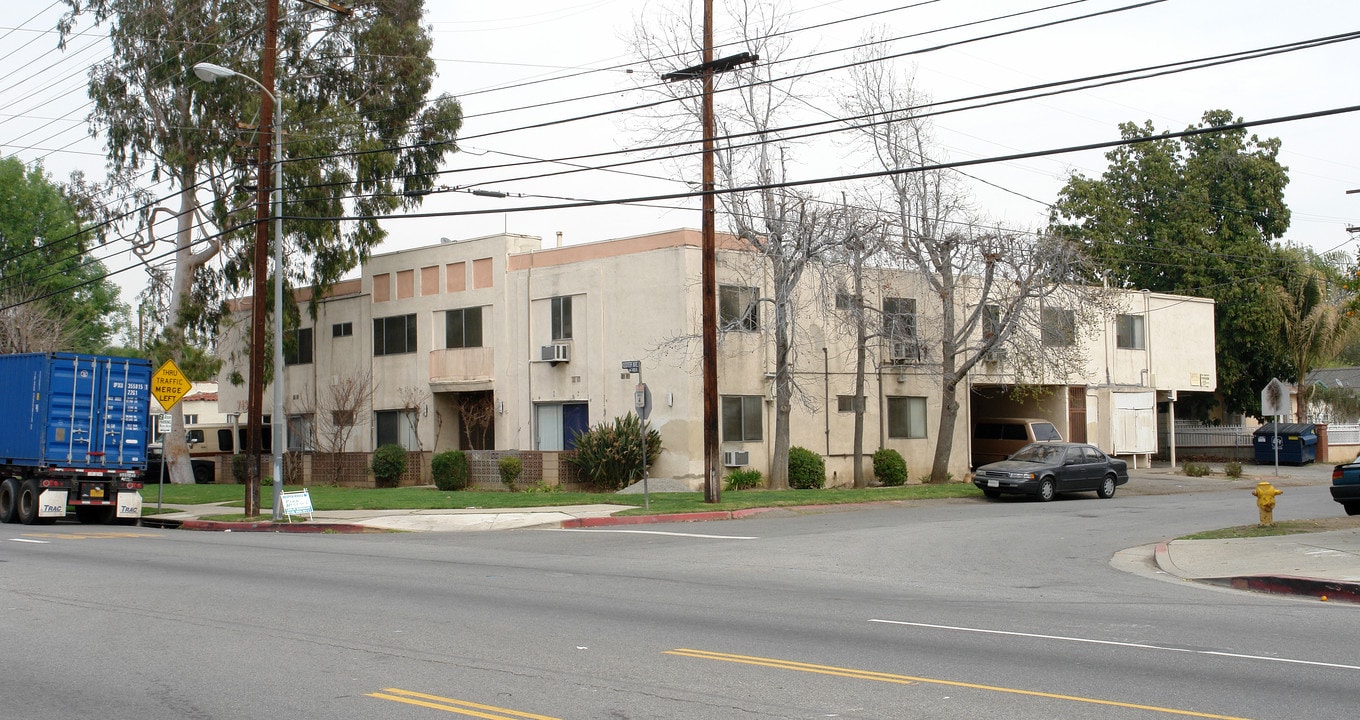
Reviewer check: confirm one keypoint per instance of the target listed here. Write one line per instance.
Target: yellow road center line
(462, 707)
(908, 680)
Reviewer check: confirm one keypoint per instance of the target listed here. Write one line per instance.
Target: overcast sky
(481, 47)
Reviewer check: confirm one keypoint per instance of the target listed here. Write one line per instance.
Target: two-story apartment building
(501, 343)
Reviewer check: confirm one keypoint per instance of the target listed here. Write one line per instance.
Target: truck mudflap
(129, 505)
(52, 504)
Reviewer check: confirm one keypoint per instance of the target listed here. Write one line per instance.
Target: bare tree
(29, 325)
(787, 230)
(476, 412)
(989, 288)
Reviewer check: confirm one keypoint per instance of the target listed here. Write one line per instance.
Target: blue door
(575, 420)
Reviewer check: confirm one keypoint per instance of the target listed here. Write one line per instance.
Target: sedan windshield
(1039, 453)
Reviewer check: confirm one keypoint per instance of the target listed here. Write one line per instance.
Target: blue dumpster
(1298, 443)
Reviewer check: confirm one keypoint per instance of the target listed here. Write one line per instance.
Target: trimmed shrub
(889, 467)
(609, 456)
(1194, 469)
(744, 479)
(389, 462)
(450, 470)
(240, 467)
(510, 468)
(1233, 469)
(807, 470)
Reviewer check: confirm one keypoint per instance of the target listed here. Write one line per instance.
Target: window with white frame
(561, 318)
(301, 435)
(742, 418)
(463, 328)
(1059, 327)
(906, 417)
(395, 427)
(738, 308)
(1129, 332)
(899, 318)
(846, 403)
(297, 347)
(394, 335)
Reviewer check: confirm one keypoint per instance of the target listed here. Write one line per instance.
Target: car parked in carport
(1046, 469)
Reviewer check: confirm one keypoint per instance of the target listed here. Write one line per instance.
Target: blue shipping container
(64, 410)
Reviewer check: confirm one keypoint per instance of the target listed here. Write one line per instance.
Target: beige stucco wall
(638, 299)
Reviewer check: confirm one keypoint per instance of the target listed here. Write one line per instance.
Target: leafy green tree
(1318, 319)
(361, 138)
(1194, 216)
(54, 295)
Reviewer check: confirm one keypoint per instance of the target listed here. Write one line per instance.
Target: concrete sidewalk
(1323, 564)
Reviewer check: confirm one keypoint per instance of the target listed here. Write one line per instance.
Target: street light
(209, 72)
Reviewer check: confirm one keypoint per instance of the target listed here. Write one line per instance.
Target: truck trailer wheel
(26, 507)
(9, 499)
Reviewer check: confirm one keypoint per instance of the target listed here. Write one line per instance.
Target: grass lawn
(429, 498)
(1283, 527)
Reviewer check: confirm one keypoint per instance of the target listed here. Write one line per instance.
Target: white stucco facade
(557, 323)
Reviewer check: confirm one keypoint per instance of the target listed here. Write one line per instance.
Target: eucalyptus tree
(362, 138)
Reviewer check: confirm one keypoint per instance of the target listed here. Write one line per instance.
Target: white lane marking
(36, 542)
(658, 532)
(1141, 646)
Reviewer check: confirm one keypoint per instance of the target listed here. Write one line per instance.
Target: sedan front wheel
(1047, 490)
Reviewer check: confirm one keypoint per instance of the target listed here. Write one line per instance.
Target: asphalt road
(945, 609)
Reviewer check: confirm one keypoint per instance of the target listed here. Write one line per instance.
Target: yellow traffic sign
(169, 385)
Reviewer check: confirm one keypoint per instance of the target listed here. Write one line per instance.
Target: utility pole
(260, 261)
(709, 252)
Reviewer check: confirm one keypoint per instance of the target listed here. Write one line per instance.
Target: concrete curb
(218, 526)
(1291, 585)
(653, 519)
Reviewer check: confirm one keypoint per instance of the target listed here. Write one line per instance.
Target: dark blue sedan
(1048, 468)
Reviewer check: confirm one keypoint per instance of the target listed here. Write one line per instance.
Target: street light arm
(208, 72)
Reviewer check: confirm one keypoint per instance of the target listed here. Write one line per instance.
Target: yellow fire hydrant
(1265, 501)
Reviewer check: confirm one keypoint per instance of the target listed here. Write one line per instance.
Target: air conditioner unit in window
(904, 351)
(555, 353)
(736, 458)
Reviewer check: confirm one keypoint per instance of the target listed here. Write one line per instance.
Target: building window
(190, 419)
(463, 328)
(846, 403)
(561, 318)
(344, 329)
(846, 301)
(395, 427)
(1129, 333)
(741, 418)
(394, 335)
(297, 347)
(300, 433)
(991, 322)
(1059, 327)
(342, 418)
(738, 308)
(906, 417)
(899, 318)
